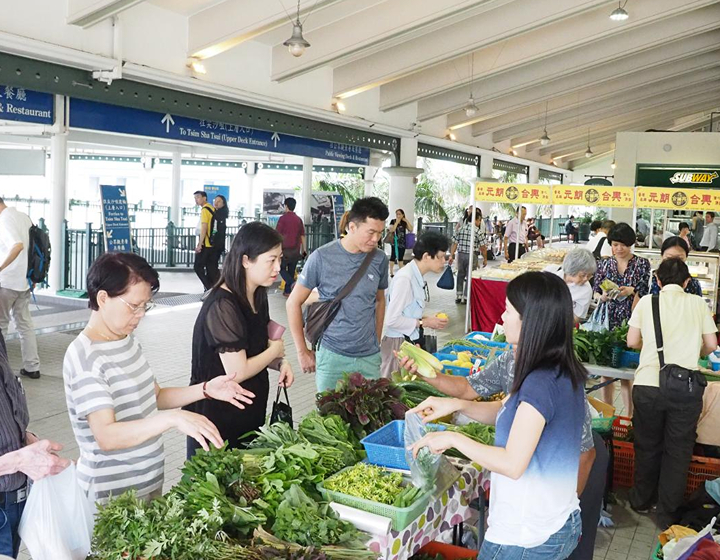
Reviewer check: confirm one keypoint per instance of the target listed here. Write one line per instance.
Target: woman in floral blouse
(632, 274)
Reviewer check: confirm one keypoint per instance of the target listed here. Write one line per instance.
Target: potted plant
(584, 227)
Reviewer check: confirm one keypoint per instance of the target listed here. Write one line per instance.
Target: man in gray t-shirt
(351, 341)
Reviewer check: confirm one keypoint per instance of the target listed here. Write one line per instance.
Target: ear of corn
(427, 364)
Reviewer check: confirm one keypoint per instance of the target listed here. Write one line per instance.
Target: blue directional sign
(116, 220)
(91, 115)
(19, 104)
(213, 190)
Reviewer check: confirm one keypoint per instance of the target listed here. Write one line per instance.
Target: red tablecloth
(487, 303)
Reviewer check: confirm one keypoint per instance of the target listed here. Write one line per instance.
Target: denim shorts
(558, 547)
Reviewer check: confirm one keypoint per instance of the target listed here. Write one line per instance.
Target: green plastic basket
(401, 517)
(657, 553)
(603, 425)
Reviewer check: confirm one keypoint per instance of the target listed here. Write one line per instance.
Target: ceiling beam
(615, 122)
(638, 121)
(592, 34)
(524, 121)
(522, 86)
(455, 41)
(86, 13)
(587, 118)
(536, 98)
(230, 23)
(377, 27)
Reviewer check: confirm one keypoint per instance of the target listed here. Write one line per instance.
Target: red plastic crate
(447, 551)
(701, 468)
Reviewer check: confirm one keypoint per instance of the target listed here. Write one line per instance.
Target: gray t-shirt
(352, 332)
(498, 377)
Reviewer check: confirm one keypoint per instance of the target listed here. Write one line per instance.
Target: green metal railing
(168, 247)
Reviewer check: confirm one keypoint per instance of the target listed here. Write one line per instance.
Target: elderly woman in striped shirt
(112, 394)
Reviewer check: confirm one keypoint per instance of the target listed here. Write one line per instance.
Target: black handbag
(281, 411)
(677, 383)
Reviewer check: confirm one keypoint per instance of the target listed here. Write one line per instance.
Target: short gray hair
(579, 260)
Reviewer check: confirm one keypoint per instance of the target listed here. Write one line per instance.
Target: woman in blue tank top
(534, 511)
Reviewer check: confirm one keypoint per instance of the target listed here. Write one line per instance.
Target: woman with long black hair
(231, 333)
(217, 237)
(534, 513)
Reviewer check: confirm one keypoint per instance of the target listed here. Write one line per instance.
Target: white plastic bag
(58, 520)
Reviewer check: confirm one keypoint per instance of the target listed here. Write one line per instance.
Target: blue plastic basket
(386, 446)
(488, 342)
(455, 370)
(629, 359)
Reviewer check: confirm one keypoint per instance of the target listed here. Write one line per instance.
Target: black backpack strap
(598, 248)
(658, 330)
(212, 221)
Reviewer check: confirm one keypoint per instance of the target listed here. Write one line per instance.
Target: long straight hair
(251, 241)
(546, 338)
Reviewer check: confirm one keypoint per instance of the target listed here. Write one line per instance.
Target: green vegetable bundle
(597, 347)
(292, 551)
(275, 471)
(303, 521)
(375, 484)
(482, 433)
(127, 527)
(415, 392)
(366, 404)
(332, 431)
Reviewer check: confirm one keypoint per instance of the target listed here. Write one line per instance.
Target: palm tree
(428, 202)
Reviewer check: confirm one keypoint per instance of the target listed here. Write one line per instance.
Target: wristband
(205, 393)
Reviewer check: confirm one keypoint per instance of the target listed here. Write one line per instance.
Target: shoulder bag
(320, 314)
(677, 383)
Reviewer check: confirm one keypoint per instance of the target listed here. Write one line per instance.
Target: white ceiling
(658, 69)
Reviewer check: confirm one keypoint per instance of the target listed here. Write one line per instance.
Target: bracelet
(205, 393)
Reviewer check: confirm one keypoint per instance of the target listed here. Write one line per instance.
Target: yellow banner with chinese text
(512, 193)
(593, 195)
(678, 199)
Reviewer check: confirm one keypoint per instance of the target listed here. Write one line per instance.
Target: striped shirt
(112, 375)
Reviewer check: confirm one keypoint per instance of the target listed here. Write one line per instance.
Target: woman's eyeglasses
(139, 309)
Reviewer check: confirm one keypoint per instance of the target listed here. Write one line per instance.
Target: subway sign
(696, 177)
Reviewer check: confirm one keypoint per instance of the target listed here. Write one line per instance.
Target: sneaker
(464, 301)
(458, 300)
(30, 374)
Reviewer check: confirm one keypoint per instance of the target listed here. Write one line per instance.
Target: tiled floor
(166, 336)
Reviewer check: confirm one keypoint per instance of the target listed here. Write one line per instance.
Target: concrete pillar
(176, 188)
(402, 180)
(486, 168)
(306, 193)
(370, 180)
(58, 200)
(251, 174)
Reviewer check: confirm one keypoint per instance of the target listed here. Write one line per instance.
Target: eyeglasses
(139, 309)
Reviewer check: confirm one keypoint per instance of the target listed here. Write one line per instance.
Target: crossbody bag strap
(658, 330)
(350, 286)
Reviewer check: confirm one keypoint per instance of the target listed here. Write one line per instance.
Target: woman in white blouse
(406, 298)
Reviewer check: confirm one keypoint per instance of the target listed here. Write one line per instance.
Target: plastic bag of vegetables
(428, 470)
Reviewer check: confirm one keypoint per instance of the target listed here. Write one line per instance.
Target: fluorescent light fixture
(196, 65)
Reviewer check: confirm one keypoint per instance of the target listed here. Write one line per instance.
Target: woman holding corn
(406, 298)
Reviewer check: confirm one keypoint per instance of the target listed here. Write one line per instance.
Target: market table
(443, 514)
(487, 303)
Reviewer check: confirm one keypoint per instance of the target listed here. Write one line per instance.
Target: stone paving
(166, 338)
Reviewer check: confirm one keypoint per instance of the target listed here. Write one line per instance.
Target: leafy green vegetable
(332, 431)
(303, 521)
(482, 433)
(373, 483)
(290, 551)
(127, 527)
(274, 435)
(366, 404)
